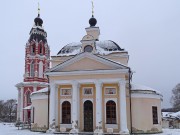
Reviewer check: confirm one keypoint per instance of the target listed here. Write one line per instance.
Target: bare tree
(10, 109)
(175, 99)
(1, 109)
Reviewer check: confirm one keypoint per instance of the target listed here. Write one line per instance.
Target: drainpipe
(48, 100)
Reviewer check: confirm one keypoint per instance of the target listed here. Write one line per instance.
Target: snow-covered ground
(9, 129)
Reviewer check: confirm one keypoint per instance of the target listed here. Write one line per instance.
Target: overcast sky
(148, 29)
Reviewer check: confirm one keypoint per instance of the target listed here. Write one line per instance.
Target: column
(52, 109)
(19, 105)
(98, 108)
(74, 107)
(34, 88)
(22, 102)
(123, 113)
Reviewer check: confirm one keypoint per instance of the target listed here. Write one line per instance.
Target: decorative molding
(88, 72)
(86, 81)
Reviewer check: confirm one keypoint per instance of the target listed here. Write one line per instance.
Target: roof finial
(92, 8)
(38, 9)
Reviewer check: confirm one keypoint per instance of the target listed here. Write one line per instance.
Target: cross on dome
(92, 20)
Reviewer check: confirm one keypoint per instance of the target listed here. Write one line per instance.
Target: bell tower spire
(92, 8)
(38, 10)
(37, 59)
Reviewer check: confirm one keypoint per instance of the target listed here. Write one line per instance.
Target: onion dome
(92, 21)
(38, 21)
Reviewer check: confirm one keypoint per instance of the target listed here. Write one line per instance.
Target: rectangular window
(66, 92)
(110, 91)
(87, 91)
(155, 114)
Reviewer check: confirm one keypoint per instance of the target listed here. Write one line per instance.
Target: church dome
(38, 21)
(92, 21)
(102, 47)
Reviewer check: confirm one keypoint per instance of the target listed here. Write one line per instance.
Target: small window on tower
(32, 69)
(88, 48)
(41, 49)
(28, 97)
(33, 49)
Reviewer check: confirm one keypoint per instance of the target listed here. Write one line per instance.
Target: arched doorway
(88, 116)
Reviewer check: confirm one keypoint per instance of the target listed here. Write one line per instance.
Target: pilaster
(52, 108)
(98, 107)
(74, 109)
(123, 113)
(19, 105)
(22, 102)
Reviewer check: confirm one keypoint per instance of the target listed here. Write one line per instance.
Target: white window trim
(157, 114)
(61, 101)
(117, 111)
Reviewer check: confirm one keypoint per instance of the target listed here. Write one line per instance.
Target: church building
(88, 88)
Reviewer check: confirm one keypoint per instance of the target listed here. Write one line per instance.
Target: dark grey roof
(102, 47)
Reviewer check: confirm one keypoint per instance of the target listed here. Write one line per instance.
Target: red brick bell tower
(36, 63)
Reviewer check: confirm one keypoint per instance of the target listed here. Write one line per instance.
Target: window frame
(87, 88)
(155, 114)
(112, 113)
(88, 48)
(33, 49)
(28, 98)
(65, 112)
(66, 89)
(32, 74)
(106, 88)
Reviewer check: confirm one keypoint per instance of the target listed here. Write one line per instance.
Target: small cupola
(38, 21)
(92, 21)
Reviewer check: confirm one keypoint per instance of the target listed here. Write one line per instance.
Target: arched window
(88, 48)
(66, 112)
(40, 69)
(33, 49)
(28, 97)
(111, 112)
(41, 49)
(32, 69)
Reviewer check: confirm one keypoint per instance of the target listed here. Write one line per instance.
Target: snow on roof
(30, 83)
(165, 114)
(143, 88)
(102, 47)
(44, 90)
(27, 107)
(176, 114)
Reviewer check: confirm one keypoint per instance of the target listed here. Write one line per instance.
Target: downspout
(48, 101)
(130, 78)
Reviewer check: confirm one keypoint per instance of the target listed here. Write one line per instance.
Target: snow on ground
(10, 129)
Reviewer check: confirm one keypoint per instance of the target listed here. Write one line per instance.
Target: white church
(88, 88)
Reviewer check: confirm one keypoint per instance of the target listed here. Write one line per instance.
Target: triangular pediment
(87, 62)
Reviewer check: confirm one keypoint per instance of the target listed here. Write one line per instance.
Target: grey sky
(148, 29)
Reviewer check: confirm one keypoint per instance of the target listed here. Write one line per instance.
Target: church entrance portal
(88, 116)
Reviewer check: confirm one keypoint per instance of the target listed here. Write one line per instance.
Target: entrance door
(88, 116)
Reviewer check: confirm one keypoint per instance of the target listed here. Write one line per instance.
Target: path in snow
(9, 129)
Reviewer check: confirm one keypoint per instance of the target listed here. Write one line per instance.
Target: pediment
(87, 62)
